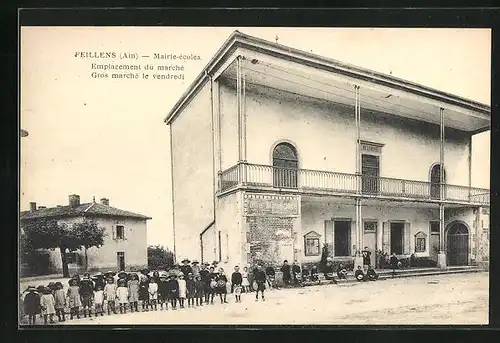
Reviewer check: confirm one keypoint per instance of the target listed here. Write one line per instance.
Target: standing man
(186, 268)
(366, 258)
(287, 277)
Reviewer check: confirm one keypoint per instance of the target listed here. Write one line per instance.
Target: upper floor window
(436, 181)
(119, 232)
(285, 165)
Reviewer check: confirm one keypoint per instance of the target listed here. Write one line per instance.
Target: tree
(159, 257)
(46, 233)
(88, 234)
(324, 256)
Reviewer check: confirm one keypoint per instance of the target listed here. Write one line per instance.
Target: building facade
(277, 152)
(125, 241)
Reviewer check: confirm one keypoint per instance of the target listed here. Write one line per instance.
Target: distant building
(125, 243)
(277, 152)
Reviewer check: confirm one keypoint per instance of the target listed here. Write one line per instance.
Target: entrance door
(121, 260)
(397, 233)
(434, 240)
(370, 173)
(342, 238)
(457, 245)
(370, 228)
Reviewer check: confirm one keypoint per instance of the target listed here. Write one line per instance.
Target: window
(311, 244)
(220, 247)
(434, 226)
(285, 165)
(370, 226)
(420, 244)
(120, 257)
(370, 173)
(120, 232)
(72, 257)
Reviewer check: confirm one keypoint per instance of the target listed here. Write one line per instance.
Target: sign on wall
(270, 205)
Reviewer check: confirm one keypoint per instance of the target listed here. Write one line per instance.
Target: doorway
(457, 245)
(434, 240)
(120, 256)
(370, 174)
(397, 230)
(342, 238)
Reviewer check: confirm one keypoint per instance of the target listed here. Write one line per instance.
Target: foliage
(160, 257)
(88, 234)
(324, 256)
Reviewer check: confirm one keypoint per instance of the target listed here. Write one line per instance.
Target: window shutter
(114, 232)
(386, 237)
(406, 239)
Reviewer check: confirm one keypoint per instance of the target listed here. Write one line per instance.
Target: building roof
(87, 209)
(238, 39)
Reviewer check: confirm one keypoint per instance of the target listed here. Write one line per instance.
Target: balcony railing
(304, 180)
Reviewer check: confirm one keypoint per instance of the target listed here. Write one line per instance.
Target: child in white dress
(245, 284)
(182, 290)
(122, 296)
(153, 293)
(99, 301)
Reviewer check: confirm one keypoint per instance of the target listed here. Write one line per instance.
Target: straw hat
(195, 262)
(185, 260)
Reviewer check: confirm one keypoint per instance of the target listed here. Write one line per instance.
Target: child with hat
(212, 285)
(87, 294)
(221, 288)
(47, 303)
(144, 292)
(74, 299)
(190, 289)
(205, 279)
(163, 292)
(186, 268)
(173, 289)
(153, 292)
(31, 304)
(133, 292)
(122, 295)
(110, 295)
(196, 268)
(182, 289)
(60, 299)
(99, 300)
(199, 286)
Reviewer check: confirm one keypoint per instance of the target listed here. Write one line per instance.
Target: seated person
(394, 263)
(305, 274)
(359, 275)
(342, 272)
(371, 274)
(314, 273)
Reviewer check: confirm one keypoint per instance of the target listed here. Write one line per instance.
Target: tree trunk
(64, 262)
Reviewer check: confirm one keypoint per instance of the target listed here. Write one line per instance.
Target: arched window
(285, 166)
(436, 181)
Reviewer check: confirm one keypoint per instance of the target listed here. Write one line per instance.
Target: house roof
(87, 209)
(238, 39)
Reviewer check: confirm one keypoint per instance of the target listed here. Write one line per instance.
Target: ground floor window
(311, 244)
(420, 242)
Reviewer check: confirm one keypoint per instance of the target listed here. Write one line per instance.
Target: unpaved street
(444, 299)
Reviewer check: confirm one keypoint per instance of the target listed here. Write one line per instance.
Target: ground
(443, 299)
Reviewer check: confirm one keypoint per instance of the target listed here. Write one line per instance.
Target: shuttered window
(370, 173)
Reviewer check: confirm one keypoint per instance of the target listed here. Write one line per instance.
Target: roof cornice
(238, 39)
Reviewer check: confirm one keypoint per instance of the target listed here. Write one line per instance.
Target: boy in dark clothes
(287, 277)
(190, 289)
(236, 278)
(212, 276)
(173, 290)
(295, 273)
(221, 288)
(32, 305)
(271, 277)
(359, 275)
(205, 279)
(342, 272)
(163, 292)
(394, 263)
(366, 258)
(371, 274)
(260, 280)
(199, 286)
(87, 293)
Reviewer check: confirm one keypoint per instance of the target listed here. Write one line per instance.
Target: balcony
(342, 184)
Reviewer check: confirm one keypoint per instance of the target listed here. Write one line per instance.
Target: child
(163, 292)
(31, 304)
(212, 285)
(260, 279)
(110, 295)
(99, 300)
(359, 275)
(144, 292)
(60, 299)
(236, 278)
(199, 286)
(153, 292)
(222, 286)
(245, 284)
(371, 274)
(87, 294)
(190, 289)
(342, 272)
(74, 299)
(122, 295)
(173, 290)
(133, 292)
(182, 290)
(47, 303)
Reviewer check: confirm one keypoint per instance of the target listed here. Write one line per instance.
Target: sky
(105, 138)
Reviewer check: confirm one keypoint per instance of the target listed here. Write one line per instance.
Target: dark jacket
(173, 288)
(163, 288)
(186, 269)
(270, 271)
(285, 269)
(371, 274)
(86, 288)
(260, 276)
(190, 286)
(358, 272)
(205, 276)
(236, 278)
(394, 262)
(32, 303)
(366, 257)
(199, 287)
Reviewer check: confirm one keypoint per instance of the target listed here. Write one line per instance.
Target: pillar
(442, 247)
(240, 95)
(358, 259)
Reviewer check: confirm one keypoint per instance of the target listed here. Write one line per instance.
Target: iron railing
(256, 175)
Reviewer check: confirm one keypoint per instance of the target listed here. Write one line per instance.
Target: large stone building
(125, 241)
(277, 152)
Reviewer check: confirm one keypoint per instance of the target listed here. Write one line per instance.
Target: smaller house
(125, 241)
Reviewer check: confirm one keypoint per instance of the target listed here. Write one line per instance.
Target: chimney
(105, 201)
(32, 206)
(74, 200)
(41, 207)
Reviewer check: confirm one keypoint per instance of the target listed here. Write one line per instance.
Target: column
(469, 160)
(442, 247)
(240, 94)
(358, 260)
